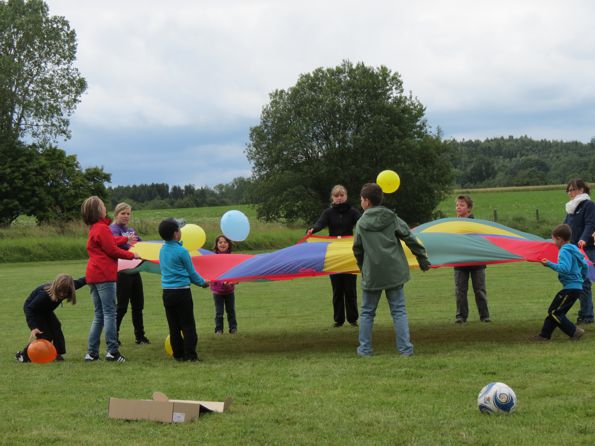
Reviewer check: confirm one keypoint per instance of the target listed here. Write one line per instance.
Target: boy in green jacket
(382, 262)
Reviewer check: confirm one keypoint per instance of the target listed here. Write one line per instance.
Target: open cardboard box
(161, 408)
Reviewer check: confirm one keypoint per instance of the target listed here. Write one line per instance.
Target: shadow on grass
(426, 339)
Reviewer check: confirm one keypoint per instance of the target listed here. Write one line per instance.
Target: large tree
(48, 185)
(39, 85)
(345, 125)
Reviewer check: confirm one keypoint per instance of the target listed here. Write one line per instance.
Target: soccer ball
(496, 398)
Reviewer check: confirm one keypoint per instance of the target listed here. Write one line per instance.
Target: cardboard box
(161, 408)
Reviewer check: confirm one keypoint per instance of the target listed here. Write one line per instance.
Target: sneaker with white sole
(20, 356)
(578, 333)
(89, 357)
(114, 357)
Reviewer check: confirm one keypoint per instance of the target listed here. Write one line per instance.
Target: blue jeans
(585, 313)
(104, 301)
(227, 302)
(396, 303)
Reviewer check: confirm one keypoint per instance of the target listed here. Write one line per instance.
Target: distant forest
(497, 162)
(501, 162)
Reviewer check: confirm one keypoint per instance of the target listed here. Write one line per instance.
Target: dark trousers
(344, 297)
(478, 280)
(227, 302)
(556, 313)
(130, 289)
(51, 329)
(179, 310)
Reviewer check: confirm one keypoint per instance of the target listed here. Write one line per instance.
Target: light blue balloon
(235, 226)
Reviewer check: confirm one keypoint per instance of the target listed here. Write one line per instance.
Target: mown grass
(296, 380)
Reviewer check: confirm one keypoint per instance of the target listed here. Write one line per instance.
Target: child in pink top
(223, 292)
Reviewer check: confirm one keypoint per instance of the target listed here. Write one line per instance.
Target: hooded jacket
(378, 250)
(572, 268)
(104, 253)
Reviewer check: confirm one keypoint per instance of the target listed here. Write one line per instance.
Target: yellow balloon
(193, 237)
(389, 181)
(167, 346)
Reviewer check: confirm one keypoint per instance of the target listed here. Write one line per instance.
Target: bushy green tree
(48, 185)
(345, 125)
(39, 85)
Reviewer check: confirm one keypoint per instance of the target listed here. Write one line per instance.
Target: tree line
(501, 162)
(164, 196)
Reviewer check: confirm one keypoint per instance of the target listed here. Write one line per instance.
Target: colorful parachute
(449, 242)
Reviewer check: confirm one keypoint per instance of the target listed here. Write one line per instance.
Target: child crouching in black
(39, 312)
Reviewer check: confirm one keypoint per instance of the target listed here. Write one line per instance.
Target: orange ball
(41, 351)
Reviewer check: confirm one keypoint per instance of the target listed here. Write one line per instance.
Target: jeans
(585, 312)
(478, 280)
(104, 301)
(227, 302)
(396, 303)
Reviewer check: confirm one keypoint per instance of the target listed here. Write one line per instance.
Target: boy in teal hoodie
(382, 262)
(572, 271)
(177, 273)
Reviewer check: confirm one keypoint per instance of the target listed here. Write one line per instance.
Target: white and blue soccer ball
(496, 398)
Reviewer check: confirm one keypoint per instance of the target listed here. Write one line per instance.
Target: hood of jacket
(377, 218)
(341, 207)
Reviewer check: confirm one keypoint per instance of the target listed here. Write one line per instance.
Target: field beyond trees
(529, 209)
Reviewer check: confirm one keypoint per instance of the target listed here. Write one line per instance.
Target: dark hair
(167, 228)
(577, 183)
(372, 192)
(563, 232)
(229, 243)
(467, 199)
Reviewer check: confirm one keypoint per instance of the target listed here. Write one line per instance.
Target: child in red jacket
(101, 276)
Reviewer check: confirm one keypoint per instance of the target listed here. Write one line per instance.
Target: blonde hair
(338, 188)
(121, 207)
(91, 210)
(62, 288)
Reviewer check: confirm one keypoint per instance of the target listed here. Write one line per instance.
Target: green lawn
(296, 380)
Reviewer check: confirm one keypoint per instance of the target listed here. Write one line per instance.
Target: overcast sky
(174, 87)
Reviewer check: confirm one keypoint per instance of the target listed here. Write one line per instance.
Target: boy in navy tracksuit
(572, 271)
(177, 273)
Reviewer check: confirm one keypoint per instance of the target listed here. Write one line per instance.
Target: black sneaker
(89, 357)
(337, 324)
(19, 356)
(142, 340)
(233, 330)
(353, 324)
(59, 358)
(115, 357)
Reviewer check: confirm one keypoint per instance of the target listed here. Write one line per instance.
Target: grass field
(296, 380)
